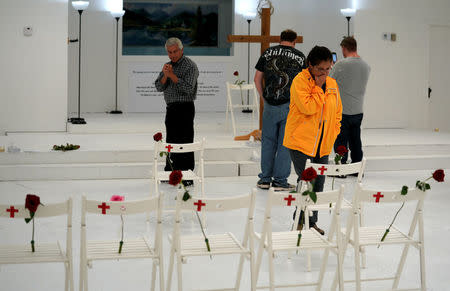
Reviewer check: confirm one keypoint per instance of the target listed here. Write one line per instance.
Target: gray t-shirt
(351, 74)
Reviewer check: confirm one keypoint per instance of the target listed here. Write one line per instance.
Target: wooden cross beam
(265, 39)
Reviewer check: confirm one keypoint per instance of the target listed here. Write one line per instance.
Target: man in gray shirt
(178, 81)
(351, 74)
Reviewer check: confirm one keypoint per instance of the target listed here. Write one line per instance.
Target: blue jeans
(275, 159)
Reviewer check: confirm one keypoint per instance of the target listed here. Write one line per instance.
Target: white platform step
(102, 171)
(114, 156)
(125, 150)
(136, 170)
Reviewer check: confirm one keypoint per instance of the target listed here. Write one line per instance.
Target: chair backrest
(106, 207)
(179, 148)
(287, 199)
(364, 195)
(47, 210)
(114, 208)
(283, 199)
(217, 204)
(375, 197)
(232, 86)
(335, 170)
(200, 204)
(43, 211)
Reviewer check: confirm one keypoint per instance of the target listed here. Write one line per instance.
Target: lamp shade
(80, 5)
(249, 14)
(348, 12)
(117, 14)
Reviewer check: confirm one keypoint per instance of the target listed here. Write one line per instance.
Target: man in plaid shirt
(178, 81)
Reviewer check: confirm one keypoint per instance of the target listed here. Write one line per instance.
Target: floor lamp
(348, 13)
(117, 15)
(250, 16)
(80, 6)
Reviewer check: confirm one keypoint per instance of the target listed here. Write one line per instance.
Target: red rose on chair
(157, 137)
(439, 175)
(341, 150)
(32, 202)
(175, 177)
(309, 174)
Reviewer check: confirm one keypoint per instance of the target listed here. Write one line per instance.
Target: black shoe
(319, 230)
(188, 183)
(355, 175)
(263, 185)
(282, 187)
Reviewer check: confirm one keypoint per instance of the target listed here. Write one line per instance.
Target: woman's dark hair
(318, 54)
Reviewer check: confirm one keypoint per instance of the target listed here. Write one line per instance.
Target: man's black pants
(350, 137)
(180, 129)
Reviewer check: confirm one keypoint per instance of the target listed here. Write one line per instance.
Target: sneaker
(263, 185)
(282, 187)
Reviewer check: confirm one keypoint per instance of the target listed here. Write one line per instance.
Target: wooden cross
(265, 39)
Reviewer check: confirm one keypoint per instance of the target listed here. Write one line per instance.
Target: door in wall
(439, 92)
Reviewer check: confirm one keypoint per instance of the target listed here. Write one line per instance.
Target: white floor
(135, 131)
(203, 273)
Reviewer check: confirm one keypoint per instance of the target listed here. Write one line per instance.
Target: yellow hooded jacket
(310, 111)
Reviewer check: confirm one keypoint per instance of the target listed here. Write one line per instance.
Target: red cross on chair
(169, 148)
(199, 204)
(103, 207)
(378, 196)
(289, 200)
(11, 211)
(322, 170)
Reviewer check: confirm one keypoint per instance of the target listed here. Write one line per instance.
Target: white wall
(319, 22)
(397, 91)
(33, 69)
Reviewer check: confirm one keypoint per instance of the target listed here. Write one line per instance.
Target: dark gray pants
(299, 161)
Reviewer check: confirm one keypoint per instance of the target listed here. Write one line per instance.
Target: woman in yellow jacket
(314, 118)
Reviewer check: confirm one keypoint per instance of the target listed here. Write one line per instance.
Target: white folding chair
(183, 246)
(331, 170)
(358, 236)
(133, 248)
(44, 252)
(198, 175)
(306, 239)
(244, 88)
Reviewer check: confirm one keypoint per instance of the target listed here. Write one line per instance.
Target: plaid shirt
(186, 88)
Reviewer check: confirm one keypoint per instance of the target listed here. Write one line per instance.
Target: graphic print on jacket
(280, 65)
